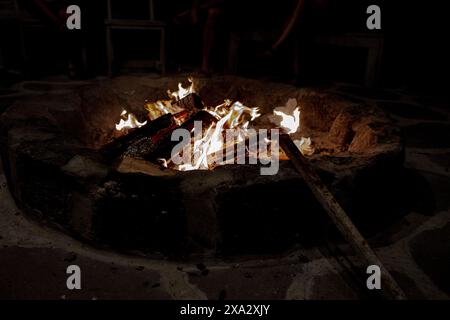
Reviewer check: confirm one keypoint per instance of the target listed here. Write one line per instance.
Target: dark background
(415, 35)
(414, 70)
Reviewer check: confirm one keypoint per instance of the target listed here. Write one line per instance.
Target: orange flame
(290, 123)
(235, 116)
(230, 115)
(182, 92)
(129, 123)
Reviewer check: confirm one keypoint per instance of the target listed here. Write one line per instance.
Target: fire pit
(53, 151)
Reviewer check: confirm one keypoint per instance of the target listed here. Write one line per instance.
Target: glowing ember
(129, 123)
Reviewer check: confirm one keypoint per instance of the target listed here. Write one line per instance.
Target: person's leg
(209, 34)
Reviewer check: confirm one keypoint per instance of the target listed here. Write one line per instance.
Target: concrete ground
(34, 257)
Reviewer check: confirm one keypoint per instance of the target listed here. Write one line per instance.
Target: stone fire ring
(49, 145)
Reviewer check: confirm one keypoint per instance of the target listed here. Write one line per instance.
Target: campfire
(108, 164)
(222, 131)
(213, 131)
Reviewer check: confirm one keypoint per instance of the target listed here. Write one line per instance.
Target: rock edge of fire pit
(55, 173)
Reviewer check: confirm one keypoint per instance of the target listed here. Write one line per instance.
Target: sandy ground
(34, 257)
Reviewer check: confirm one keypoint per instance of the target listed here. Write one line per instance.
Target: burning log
(337, 214)
(147, 140)
(205, 117)
(133, 165)
(191, 102)
(143, 140)
(165, 147)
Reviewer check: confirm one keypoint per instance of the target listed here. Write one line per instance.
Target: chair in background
(135, 24)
